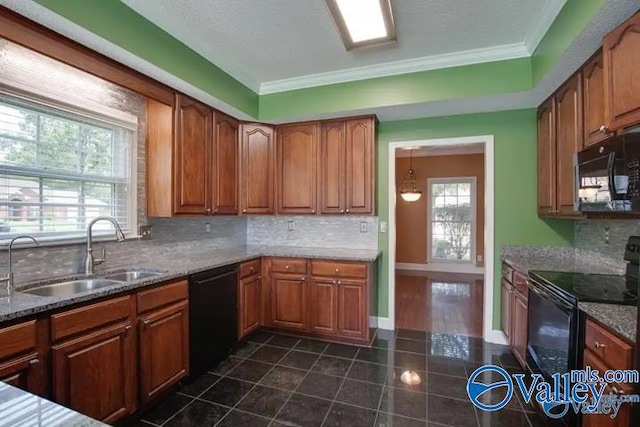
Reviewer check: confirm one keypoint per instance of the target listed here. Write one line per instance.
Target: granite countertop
(622, 319)
(180, 264)
(21, 408)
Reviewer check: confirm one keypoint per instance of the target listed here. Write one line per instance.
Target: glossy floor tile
(278, 380)
(448, 303)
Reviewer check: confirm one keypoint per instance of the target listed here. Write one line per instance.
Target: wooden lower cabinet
(95, 373)
(289, 301)
(518, 338)
(506, 289)
(352, 310)
(164, 349)
(249, 304)
(323, 306)
(22, 359)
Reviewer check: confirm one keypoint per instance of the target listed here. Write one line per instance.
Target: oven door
(553, 333)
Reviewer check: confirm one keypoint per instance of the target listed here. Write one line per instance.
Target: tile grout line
(340, 388)
(271, 419)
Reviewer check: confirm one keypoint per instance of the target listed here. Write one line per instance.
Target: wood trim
(159, 158)
(162, 295)
(31, 35)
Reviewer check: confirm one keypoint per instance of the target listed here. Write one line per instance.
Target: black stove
(579, 287)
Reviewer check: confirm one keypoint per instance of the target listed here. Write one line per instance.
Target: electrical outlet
(207, 227)
(291, 225)
(383, 226)
(607, 235)
(478, 258)
(363, 227)
(146, 232)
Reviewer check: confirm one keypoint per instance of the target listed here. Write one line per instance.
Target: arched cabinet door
(621, 52)
(258, 169)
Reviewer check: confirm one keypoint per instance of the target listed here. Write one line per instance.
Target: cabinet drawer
(89, 317)
(615, 352)
(520, 283)
(507, 272)
(17, 339)
(250, 268)
(163, 295)
(289, 265)
(338, 269)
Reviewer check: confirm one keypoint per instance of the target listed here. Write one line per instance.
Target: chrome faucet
(8, 279)
(90, 262)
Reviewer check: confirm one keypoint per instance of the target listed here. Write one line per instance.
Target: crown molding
(434, 62)
(550, 12)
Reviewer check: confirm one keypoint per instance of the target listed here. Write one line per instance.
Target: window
(452, 213)
(59, 169)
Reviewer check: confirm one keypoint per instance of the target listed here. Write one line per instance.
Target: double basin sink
(72, 287)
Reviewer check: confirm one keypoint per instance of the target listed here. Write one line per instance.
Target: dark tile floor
(277, 380)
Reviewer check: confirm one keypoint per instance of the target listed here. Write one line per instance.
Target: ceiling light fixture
(363, 22)
(409, 190)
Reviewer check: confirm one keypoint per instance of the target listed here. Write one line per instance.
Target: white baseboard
(381, 323)
(496, 336)
(441, 267)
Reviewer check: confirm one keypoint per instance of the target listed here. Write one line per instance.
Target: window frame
(63, 111)
(474, 219)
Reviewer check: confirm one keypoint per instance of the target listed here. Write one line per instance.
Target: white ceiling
(280, 45)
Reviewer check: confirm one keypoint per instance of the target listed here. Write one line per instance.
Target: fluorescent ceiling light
(363, 22)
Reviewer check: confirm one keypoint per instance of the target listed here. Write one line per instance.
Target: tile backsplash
(589, 236)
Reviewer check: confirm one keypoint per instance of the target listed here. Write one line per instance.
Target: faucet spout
(90, 261)
(9, 278)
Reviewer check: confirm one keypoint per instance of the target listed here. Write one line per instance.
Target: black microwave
(608, 176)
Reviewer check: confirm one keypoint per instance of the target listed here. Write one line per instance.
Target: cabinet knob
(146, 322)
(337, 270)
(215, 210)
(313, 211)
(286, 267)
(244, 210)
(126, 328)
(339, 282)
(615, 390)
(598, 345)
(259, 277)
(342, 211)
(601, 150)
(34, 362)
(604, 129)
(208, 210)
(251, 268)
(347, 211)
(303, 278)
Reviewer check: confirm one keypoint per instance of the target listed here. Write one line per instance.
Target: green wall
(117, 23)
(516, 220)
(489, 78)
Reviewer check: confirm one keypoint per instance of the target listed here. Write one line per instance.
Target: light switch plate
(383, 226)
(291, 225)
(207, 227)
(146, 232)
(363, 226)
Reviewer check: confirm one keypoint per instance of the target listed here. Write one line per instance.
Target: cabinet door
(505, 298)
(192, 151)
(224, 171)
(323, 306)
(297, 168)
(19, 372)
(95, 374)
(604, 420)
(258, 170)
(547, 158)
(519, 331)
(332, 168)
(621, 50)
(164, 349)
(360, 164)
(569, 139)
(249, 304)
(593, 101)
(289, 301)
(352, 309)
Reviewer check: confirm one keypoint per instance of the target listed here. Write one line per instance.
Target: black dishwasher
(213, 317)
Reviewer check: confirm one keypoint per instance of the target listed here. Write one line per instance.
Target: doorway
(439, 245)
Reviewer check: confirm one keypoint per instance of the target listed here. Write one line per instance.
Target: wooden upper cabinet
(569, 128)
(621, 59)
(258, 169)
(547, 158)
(595, 129)
(297, 168)
(225, 165)
(191, 156)
(360, 185)
(332, 167)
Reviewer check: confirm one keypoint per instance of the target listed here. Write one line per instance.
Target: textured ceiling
(260, 41)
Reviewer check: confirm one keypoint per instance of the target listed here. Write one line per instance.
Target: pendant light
(410, 191)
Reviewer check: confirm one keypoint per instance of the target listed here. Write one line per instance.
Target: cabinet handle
(126, 328)
(598, 345)
(34, 362)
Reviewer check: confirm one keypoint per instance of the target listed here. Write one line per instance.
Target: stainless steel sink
(70, 288)
(131, 275)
